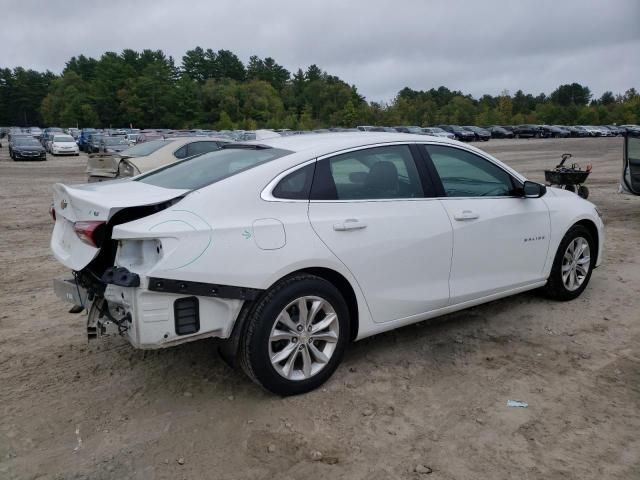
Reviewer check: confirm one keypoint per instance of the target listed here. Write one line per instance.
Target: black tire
(254, 343)
(555, 287)
(583, 191)
(570, 188)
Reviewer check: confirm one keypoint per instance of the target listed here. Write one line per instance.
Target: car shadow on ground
(197, 365)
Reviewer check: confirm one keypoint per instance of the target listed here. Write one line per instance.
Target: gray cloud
(380, 46)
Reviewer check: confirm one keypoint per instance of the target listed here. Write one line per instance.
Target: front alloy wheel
(572, 265)
(576, 263)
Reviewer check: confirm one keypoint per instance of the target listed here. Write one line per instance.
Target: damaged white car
(289, 248)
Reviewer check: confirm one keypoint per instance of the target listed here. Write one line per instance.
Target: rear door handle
(349, 224)
(466, 215)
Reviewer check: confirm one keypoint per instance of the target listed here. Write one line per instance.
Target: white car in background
(148, 156)
(63, 144)
(438, 132)
(289, 248)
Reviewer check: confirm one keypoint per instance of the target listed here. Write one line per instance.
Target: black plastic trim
(121, 276)
(186, 314)
(166, 285)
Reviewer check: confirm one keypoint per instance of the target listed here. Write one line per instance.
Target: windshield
(145, 149)
(27, 142)
(63, 138)
(197, 172)
(115, 141)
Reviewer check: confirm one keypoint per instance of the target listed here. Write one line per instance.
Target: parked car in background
(577, 131)
(481, 134)
(132, 138)
(526, 131)
(593, 131)
(499, 132)
(113, 144)
(26, 148)
(409, 129)
(149, 155)
(437, 132)
(166, 253)
(35, 132)
(74, 132)
(148, 136)
(633, 129)
(604, 131)
(83, 139)
(63, 144)
(553, 131)
(93, 142)
(459, 132)
(47, 133)
(615, 130)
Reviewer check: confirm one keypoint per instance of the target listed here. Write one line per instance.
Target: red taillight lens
(52, 212)
(90, 232)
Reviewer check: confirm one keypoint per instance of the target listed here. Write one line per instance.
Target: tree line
(215, 89)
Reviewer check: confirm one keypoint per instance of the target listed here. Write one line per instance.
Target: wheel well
(593, 230)
(346, 290)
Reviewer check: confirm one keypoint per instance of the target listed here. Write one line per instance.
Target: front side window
(374, 173)
(464, 174)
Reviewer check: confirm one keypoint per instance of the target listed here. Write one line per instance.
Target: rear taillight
(91, 233)
(52, 212)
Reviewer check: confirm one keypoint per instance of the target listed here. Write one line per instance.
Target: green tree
(224, 122)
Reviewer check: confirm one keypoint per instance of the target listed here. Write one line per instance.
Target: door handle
(466, 215)
(349, 224)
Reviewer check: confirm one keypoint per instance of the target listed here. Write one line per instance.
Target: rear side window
(464, 174)
(197, 172)
(296, 185)
(374, 173)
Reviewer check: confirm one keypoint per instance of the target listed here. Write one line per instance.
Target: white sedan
(63, 145)
(291, 247)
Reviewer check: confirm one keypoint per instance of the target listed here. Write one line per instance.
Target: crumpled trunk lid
(96, 202)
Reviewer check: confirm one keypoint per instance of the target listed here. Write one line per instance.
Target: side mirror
(533, 189)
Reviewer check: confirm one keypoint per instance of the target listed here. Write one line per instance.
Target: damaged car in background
(288, 249)
(148, 156)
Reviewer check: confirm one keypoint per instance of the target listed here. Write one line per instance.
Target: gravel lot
(427, 397)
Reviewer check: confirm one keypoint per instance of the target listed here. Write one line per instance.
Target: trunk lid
(96, 202)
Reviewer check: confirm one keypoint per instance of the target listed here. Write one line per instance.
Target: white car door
(500, 239)
(376, 213)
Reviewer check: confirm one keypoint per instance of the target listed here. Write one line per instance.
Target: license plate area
(69, 291)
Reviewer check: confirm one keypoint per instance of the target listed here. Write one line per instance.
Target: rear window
(63, 138)
(146, 148)
(197, 172)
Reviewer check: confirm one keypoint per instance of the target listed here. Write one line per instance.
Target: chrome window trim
(267, 193)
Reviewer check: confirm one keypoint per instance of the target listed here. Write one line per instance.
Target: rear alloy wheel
(301, 348)
(296, 335)
(572, 265)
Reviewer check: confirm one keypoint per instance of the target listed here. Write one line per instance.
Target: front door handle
(466, 215)
(349, 224)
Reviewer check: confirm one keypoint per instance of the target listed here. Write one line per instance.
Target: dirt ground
(430, 397)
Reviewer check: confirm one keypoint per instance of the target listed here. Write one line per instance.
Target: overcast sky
(380, 46)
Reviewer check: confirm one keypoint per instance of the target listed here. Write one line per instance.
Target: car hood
(35, 148)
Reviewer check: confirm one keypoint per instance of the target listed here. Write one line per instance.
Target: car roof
(331, 142)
